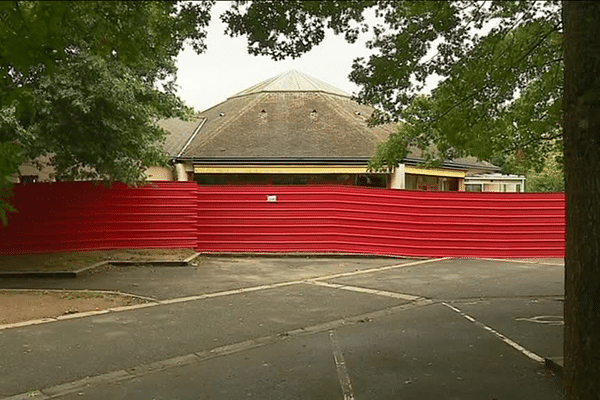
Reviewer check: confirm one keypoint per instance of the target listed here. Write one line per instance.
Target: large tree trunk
(582, 162)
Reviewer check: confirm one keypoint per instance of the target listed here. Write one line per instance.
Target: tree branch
(533, 140)
(537, 44)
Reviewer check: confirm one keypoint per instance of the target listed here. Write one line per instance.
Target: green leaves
(10, 158)
(291, 28)
(83, 84)
(499, 94)
(101, 116)
(550, 179)
(499, 67)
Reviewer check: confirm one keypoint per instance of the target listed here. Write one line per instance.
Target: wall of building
(245, 179)
(496, 186)
(30, 173)
(495, 183)
(398, 177)
(432, 183)
(427, 179)
(158, 174)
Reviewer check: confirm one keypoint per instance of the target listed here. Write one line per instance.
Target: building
(293, 129)
(495, 183)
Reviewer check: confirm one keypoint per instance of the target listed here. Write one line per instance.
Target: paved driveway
(300, 328)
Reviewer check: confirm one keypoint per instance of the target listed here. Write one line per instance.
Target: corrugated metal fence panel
(70, 216)
(380, 221)
(84, 216)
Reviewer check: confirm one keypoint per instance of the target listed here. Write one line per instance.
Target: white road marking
(156, 303)
(506, 340)
(202, 355)
(545, 319)
(79, 291)
(366, 290)
(227, 293)
(340, 366)
(469, 318)
(379, 269)
(517, 261)
(35, 395)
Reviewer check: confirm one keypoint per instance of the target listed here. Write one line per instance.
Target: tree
(549, 179)
(499, 64)
(503, 69)
(582, 169)
(82, 84)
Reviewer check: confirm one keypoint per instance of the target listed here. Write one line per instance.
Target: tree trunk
(581, 23)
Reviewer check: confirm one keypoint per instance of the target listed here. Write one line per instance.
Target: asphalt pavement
(299, 328)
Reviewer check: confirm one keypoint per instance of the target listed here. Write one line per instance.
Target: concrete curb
(306, 255)
(39, 274)
(98, 267)
(555, 364)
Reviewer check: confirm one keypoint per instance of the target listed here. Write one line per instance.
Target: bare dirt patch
(80, 259)
(18, 306)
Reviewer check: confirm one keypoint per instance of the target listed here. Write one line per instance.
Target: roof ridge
(292, 81)
(204, 139)
(201, 122)
(288, 127)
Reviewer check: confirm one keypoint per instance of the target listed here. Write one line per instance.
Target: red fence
(380, 221)
(70, 216)
(83, 216)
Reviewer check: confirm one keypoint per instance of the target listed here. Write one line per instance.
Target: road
(300, 328)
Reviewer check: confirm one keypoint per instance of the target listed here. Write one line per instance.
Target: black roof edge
(275, 160)
(451, 164)
(318, 161)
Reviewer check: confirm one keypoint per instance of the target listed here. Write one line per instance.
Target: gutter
(338, 161)
(360, 161)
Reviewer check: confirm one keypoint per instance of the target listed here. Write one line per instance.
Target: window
(331, 179)
(29, 178)
(290, 180)
(210, 179)
(450, 184)
(473, 187)
(410, 182)
(371, 180)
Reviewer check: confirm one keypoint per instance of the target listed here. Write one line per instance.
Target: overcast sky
(226, 67)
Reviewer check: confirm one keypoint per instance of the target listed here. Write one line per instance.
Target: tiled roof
(179, 133)
(287, 124)
(289, 116)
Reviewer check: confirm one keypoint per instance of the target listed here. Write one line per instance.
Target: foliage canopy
(82, 84)
(499, 66)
